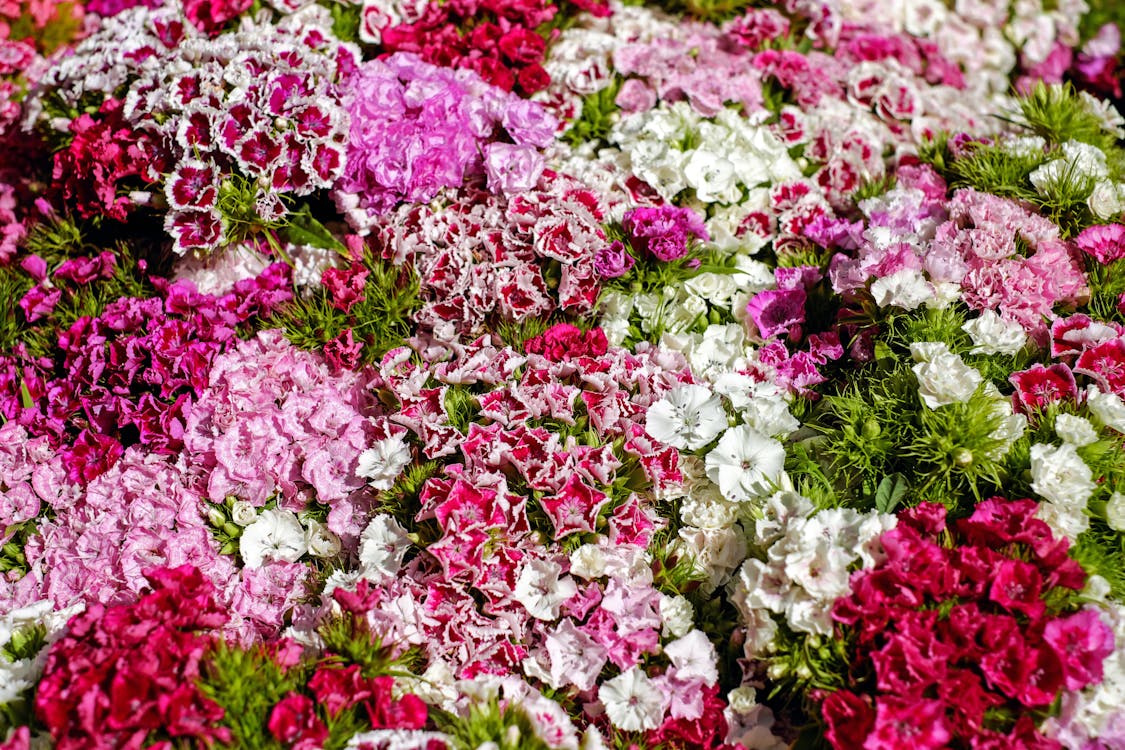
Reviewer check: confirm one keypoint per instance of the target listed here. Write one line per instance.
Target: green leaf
(25, 396)
(890, 492)
(304, 229)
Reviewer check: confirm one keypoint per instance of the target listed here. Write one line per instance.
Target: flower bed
(489, 375)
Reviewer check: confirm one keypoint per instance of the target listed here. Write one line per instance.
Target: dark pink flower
(294, 721)
(848, 720)
(918, 724)
(777, 311)
(1016, 586)
(1106, 364)
(1038, 386)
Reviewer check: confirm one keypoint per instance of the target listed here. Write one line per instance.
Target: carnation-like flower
(541, 590)
(384, 461)
(633, 702)
(746, 464)
(992, 334)
(687, 417)
(382, 546)
(276, 534)
(1059, 475)
(943, 377)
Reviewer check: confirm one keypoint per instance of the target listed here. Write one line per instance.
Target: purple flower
(778, 311)
(663, 231)
(613, 261)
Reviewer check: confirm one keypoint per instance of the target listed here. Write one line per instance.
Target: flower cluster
(417, 128)
(230, 125)
(988, 251)
(484, 259)
(954, 633)
(124, 674)
(129, 374)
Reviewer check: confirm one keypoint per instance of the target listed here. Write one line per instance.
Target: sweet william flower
(541, 590)
(632, 701)
(689, 416)
(746, 464)
(384, 461)
(1059, 475)
(943, 377)
(276, 535)
(511, 168)
(1082, 642)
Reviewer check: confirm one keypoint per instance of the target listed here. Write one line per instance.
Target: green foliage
(1059, 113)
(345, 21)
(599, 112)
(247, 684)
(875, 445)
(508, 727)
(57, 241)
(1101, 551)
(60, 29)
(873, 188)
(349, 641)
(1100, 13)
(12, 557)
(1107, 285)
(381, 320)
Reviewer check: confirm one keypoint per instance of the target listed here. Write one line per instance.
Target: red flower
(294, 722)
(1039, 386)
(848, 719)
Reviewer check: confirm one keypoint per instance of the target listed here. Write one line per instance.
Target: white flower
(321, 540)
(1107, 407)
(689, 416)
(1063, 520)
(1075, 430)
(1059, 475)
(587, 561)
(769, 416)
(382, 546)
(907, 289)
(632, 701)
(276, 534)
(1115, 512)
(384, 461)
(943, 377)
(540, 589)
(677, 614)
(991, 334)
(693, 657)
(712, 176)
(243, 513)
(1107, 199)
(746, 464)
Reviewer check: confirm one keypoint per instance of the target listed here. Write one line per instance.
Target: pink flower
(575, 507)
(511, 168)
(1105, 242)
(1082, 642)
(915, 723)
(613, 261)
(1016, 586)
(776, 312)
(1106, 364)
